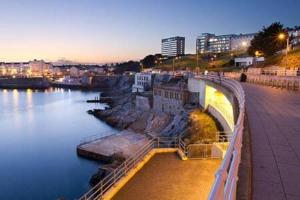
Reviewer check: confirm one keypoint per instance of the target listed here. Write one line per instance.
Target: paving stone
(274, 120)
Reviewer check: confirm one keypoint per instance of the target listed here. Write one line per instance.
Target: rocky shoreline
(124, 114)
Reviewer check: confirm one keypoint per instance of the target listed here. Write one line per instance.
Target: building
(211, 43)
(40, 68)
(142, 82)
(57, 71)
(295, 35)
(170, 97)
(241, 42)
(77, 71)
(247, 61)
(174, 46)
(15, 69)
(74, 71)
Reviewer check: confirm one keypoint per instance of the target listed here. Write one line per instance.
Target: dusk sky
(119, 30)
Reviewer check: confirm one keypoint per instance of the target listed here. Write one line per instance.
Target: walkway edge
(245, 183)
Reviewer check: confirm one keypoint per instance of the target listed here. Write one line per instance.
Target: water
(39, 131)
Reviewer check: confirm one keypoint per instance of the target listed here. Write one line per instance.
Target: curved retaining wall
(225, 183)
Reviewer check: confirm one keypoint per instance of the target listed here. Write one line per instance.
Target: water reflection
(39, 134)
(15, 99)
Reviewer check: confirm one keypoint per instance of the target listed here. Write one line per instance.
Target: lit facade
(40, 68)
(173, 46)
(211, 43)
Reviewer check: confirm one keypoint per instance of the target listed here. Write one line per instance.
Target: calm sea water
(39, 131)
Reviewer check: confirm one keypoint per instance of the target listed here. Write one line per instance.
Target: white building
(247, 61)
(142, 82)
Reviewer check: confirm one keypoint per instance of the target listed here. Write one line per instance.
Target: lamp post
(175, 58)
(282, 36)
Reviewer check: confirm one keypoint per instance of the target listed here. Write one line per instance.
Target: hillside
(212, 62)
(280, 59)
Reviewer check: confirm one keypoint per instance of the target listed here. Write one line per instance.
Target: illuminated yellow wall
(220, 102)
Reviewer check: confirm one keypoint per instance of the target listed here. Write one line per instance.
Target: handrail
(225, 183)
(114, 176)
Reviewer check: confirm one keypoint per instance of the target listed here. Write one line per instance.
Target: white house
(142, 82)
(247, 61)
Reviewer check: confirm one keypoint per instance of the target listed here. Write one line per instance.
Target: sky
(102, 31)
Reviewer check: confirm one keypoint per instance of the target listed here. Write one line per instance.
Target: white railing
(283, 82)
(224, 187)
(121, 171)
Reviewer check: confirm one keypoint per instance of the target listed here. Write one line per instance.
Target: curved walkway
(274, 121)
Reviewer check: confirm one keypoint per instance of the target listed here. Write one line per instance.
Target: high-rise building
(211, 43)
(173, 46)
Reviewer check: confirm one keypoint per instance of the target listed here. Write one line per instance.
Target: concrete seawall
(24, 83)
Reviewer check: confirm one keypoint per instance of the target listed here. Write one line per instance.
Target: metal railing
(113, 177)
(225, 183)
(95, 137)
(199, 151)
(283, 82)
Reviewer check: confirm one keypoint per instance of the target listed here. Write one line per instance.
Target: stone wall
(142, 103)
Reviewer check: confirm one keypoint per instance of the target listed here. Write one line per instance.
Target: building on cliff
(142, 82)
(170, 97)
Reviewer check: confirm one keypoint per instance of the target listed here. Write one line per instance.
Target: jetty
(124, 143)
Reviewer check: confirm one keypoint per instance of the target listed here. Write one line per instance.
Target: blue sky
(118, 30)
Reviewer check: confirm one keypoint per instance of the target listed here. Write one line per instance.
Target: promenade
(274, 121)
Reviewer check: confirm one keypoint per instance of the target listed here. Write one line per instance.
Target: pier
(125, 143)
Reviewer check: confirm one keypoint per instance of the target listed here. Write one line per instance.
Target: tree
(266, 41)
(150, 60)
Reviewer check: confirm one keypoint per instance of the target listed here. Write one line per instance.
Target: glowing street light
(283, 36)
(244, 44)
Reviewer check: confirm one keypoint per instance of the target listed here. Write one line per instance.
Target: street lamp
(282, 36)
(244, 44)
(175, 58)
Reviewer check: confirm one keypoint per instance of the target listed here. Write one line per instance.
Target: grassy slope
(279, 59)
(202, 127)
(189, 61)
(221, 62)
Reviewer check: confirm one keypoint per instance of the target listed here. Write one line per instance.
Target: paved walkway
(166, 177)
(274, 120)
